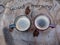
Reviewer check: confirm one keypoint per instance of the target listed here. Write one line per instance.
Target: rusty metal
(35, 33)
(27, 10)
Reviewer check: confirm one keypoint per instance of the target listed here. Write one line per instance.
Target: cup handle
(52, 25)
(11, 26)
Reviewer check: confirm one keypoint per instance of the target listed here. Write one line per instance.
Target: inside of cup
(23, 23)
(42, 22)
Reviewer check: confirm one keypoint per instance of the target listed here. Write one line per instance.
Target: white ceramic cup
(23, 23)
(42, 22)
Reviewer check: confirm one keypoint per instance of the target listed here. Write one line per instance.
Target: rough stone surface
(14, 8)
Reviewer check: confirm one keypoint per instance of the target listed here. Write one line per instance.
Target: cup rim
(17, 18)
(39, 16)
